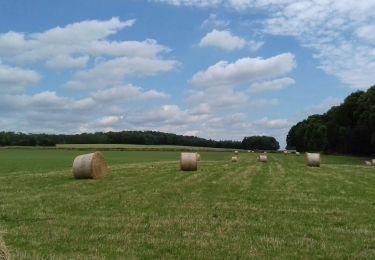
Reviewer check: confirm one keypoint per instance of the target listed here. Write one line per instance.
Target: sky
(211, 68)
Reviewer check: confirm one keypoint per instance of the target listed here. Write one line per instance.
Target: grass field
(147, 209)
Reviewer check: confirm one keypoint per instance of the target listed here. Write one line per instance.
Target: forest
(134, 137)
(345, 129)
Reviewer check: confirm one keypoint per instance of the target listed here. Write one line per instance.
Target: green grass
(146, 208)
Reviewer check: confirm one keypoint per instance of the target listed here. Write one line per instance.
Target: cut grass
(147, 208)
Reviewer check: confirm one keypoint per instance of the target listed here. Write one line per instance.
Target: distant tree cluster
(347, 129)
(260, 143)
(134, 137)
(20, 139)
(124, 137)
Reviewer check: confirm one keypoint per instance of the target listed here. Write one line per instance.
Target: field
(146, 208)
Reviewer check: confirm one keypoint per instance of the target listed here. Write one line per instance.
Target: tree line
(134, 137)
(346, 129)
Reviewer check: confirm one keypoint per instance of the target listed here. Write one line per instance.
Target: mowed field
(146, 208)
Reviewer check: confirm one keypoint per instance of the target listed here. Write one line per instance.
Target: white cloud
(222, 39)
(72, 46)
(61, 62)
(105, 66)
(227, 41)
(14, 79)
(273, 123)
(82, 31)
(109, 120)
(244, 71)
(170, 115)
(213, 100)
(272, 85)
(128, 93)
(113, 72)
(367, 33)
(339, 32)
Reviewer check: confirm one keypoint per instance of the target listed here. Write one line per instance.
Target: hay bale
(198, 157)
(368, 163)
(234, 159)
(4, 255)
(313, 159)
(262, 158)
(236, 152)
(90, 166)
(373, 161)
(297, 153)
(189, 161)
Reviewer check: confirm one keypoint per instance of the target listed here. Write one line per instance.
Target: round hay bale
(313, 159)
(234, 159)
(368, 163)
(236, 152)
(262, 158)
(90, 166)
(198, 157)
(4, 255)
(189, 161)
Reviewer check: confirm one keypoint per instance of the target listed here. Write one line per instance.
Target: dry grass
(4, 255)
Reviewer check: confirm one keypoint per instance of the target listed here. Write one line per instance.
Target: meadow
(146, 208)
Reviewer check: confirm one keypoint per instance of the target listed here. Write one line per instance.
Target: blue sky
(212, 68)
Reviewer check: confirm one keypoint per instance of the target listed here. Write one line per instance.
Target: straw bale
(90, 166)
(313, 159)
(189, 161)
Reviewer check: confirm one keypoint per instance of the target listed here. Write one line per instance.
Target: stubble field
(146, 208)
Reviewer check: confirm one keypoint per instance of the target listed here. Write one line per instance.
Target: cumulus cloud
(109, 120)
(14, 79)
(114, 71)
(271, 85)
(166, 114)
(222, 39)
(104, 67)
(62, 62)
(72, 45)
(127, 93)
(227, 41)
(340, 33)
(244, 71)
